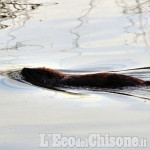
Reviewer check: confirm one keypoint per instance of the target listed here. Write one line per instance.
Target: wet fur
(50, 78)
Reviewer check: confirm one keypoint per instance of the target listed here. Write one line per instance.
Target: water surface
(74, 37)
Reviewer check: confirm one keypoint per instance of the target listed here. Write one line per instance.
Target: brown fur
(48, 78)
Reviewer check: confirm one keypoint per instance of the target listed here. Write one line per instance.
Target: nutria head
(41, 76)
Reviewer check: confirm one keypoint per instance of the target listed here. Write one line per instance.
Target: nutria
(48, 78)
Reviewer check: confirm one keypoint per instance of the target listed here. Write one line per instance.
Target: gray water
(74, 37)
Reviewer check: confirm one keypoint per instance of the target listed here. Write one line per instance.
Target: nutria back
(102, 80)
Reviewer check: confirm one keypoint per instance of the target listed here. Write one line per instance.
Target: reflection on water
(75, 31)
(137, 13)
(83, 19)
(13, 9)
(17, 12)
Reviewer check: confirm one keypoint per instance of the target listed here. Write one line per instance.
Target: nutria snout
(50, 78)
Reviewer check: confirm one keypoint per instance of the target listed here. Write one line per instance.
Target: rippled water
(74, 37)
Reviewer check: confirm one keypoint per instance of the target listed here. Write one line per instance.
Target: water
(74, 37)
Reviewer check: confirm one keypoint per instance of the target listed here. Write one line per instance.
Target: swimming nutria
(48, 78)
